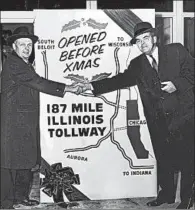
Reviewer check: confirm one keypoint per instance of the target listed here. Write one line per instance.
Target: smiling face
(23, 48)
(146, 42)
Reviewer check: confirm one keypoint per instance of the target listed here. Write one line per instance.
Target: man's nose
(27, 47)
(142, 42)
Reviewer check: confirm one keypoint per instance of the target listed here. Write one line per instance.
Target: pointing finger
(164, 88)
(165, 83)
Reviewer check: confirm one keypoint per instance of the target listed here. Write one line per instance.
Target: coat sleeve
(25, 75)
(185, 80)
(121, 80)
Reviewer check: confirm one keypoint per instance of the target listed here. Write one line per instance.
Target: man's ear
(155, 39)
(14, 46)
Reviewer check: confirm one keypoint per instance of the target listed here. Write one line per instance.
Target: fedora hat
(21, 32)
(141, 28)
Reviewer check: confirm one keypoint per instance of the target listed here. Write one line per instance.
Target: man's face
(145, 42)
(23, 47)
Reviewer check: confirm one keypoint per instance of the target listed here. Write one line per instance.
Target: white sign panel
(104, 139)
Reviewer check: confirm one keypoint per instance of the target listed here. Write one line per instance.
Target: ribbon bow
(59, 179)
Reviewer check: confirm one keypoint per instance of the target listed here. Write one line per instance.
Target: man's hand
(78, 88)
(168, 87)
(83, 86)
(73, 89)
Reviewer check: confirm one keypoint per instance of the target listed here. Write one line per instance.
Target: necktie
(154, 63)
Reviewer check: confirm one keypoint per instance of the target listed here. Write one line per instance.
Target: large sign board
(104, 139)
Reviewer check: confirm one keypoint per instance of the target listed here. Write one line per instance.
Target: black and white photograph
(97, 104)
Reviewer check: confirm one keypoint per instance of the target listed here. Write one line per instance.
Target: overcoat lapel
(162, 56)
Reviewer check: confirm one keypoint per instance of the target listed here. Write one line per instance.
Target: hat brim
(133, 40)
(13, 38)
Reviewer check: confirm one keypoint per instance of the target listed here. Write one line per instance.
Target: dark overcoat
(161, 109)
(20, 140)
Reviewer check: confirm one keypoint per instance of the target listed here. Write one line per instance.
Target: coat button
(57, 90)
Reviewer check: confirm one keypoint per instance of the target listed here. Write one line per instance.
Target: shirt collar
(155, 55)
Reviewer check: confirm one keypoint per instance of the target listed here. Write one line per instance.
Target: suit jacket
(160, 108)
(20, 140)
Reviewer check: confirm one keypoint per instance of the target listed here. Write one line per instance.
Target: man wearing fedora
(20, 141)
(165, 78)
